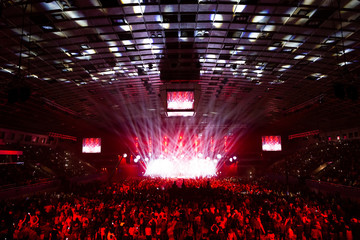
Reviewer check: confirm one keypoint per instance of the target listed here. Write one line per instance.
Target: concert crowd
(174, 209)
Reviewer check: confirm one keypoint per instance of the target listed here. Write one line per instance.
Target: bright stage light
(186, 168)
(234, 157)
(124, 155)
(136, 160)
(182, 152)
(181, 114)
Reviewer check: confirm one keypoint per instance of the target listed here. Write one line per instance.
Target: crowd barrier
(343, 191)
(12, 191)
(15, 192)
(352, 193)
(98, 177)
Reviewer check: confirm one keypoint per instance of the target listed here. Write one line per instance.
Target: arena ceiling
(105, 61)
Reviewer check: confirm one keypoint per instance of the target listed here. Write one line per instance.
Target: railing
(10, 191)
(18, 191)
(24, 183)
(343, 190)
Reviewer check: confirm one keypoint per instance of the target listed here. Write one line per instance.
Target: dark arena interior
(180, 119)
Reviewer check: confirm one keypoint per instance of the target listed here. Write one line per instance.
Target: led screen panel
(91, 145)
(271, 143)
(181, 114)
(180, 100)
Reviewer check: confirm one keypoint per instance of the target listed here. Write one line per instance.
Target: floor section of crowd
(176, 209)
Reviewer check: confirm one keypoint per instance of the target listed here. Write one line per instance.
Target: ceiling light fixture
(118, 21)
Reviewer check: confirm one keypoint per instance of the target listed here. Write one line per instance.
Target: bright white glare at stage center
(216, 132)
(181, 167)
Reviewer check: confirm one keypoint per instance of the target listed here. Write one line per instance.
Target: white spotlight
(138, 157)
(218, 156)
(146, 159)
(234, 157)
(124, 155)
(136, 160)
(231, 159)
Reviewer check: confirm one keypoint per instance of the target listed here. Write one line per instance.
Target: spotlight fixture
(241, 18)
(84, 46)
(118, 21)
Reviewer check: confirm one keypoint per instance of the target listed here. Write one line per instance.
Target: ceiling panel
(260, 57)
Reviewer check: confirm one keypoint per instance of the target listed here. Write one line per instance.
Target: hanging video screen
(271, 143)
(180, 100)
(91, 145)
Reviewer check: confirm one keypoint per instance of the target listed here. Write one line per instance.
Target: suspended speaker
(339, 90)
(18, 94)
(352, 92)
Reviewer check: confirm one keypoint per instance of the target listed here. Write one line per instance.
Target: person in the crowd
(204, 209)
